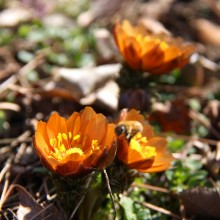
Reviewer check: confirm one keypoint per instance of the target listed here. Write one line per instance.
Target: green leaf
(194, 104)
(175, 144)
(25, 56)
(128, 207)
(33, 76)
(194, 165)
(2, 120)
(24, 30)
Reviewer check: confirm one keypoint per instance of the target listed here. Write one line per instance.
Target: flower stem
(82, 198)
(110, 192)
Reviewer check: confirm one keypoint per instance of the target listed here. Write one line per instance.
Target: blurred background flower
(156, 54)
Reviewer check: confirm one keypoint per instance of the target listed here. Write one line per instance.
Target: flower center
(66, 144)
(139, 143)
(163, 45)
(62, 145)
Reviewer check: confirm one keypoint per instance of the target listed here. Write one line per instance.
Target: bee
(128, 128)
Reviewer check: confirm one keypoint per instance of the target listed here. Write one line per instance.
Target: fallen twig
(159, 209)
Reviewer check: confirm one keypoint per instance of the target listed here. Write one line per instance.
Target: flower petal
(99, 122)
(132, 52)
(152, 58)
(56, 124)
(159, 164)
(160, 144)
(41, 129)
(72, 123)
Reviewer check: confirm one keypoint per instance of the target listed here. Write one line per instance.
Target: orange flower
(156, 54)
(144, 151)
(77, 145)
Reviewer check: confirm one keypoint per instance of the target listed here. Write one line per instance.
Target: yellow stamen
(74, 150)
(52, 142)
(64, 136)
(61, 146)
(139, 143)
(163, 45)
(139, 38)
(70, 135)
(76, 137)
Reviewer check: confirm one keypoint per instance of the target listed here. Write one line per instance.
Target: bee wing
(122, 115)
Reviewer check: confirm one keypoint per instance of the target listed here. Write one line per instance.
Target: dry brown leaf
(84, 81)
(155, 8)
(212, 111)
(168, 116)
(153, 25)
(99, 9)
(29, 209)
(14, 16)
(201, 202)
(105, 45)
(208, 32)
(105, 97)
